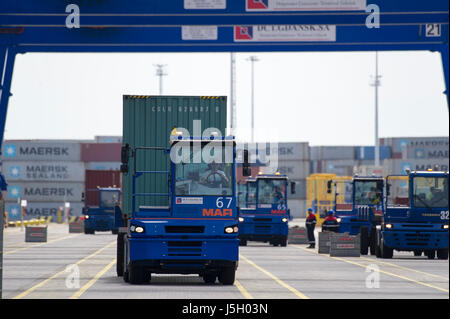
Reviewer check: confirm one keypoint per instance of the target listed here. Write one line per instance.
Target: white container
(44, 192)
(41, 151)
(43, 171)
(39, 209)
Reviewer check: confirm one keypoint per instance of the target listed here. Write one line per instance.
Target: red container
(95, 179)
(100, 152)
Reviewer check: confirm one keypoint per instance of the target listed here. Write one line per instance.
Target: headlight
(389, 226)
(284, 220)
(339, 220)
(86, 216)
(137, 229)
(445, 226)
(241, 219)
(231, 229)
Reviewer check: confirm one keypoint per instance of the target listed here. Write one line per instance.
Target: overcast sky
(321, 98)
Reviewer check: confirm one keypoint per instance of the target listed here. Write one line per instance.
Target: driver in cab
(213, 177)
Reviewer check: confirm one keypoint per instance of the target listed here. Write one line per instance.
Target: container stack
(47, 174)
(339, 160)
(416, 153)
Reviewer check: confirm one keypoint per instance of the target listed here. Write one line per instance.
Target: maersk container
(41, 150)
(332, 152)
(418, 147)
(41, 209)
(149, 121)
(45, 192)
(43, 171)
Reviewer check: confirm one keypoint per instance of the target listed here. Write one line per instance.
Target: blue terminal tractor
(416, 217)
(198, 232)
(102, 217)
(263, 211)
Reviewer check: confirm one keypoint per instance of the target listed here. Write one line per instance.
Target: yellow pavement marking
(379, 270)
(93, 280)
(37, 245)
(25, 293)
(406, 268)
(243, 291)
(280, 282)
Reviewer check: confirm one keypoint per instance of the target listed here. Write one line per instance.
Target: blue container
(368, 152)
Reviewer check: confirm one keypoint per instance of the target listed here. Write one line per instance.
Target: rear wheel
(364, 236)
(115, 231)
(442, 253)
(431, 254)
(126, 277)
(283, 241)
(227, 276)
(120, 255)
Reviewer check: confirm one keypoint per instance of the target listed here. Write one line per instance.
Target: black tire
(138, 275)
(126, 277)
(442, 253)
(417, 253)
(89, 232)
(209, 278)
(115, 231)
(283, 242)
(386, 252)
(373, 241)
(120, 255)
(431, 254)
(377, 248)
(242, 242)
(227, 276)
(364, 236)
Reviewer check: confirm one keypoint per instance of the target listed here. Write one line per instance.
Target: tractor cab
(101, 217)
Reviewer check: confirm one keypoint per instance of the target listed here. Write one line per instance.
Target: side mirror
(292, 187)
(125, 154)
(388, 189)
(82, 197)
(329, 186)
(246, 169)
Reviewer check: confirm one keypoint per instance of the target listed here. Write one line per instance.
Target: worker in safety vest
(310, 226)
(330, 223)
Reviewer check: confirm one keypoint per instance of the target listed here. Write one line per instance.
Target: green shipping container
(148, 121)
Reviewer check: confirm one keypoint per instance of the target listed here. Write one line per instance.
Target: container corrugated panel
(419, 147)
(293, 169)
(100, 152)
(43, 171)
(41, 151)
(332, 152)
(45, 192)
(368, 152)
(339, 167)
(148, 121)
(399, 166)
(38, 209)
(99, 178)
(293, 151)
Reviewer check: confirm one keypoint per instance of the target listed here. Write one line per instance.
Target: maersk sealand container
(148, 121)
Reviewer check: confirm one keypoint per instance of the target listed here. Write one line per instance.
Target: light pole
(232, 93)
(160, 71)
(253, 59)
(376, 83)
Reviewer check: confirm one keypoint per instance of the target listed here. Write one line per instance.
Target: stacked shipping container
(46, 174)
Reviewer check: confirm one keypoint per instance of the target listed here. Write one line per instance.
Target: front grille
(184, 248)
(262, 229)
(262, 219)
(185, 229)
(417, 239)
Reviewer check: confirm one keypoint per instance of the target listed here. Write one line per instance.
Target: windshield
(368, 192)
(271, 191)
(344, 191)
(251, 195)
(398, 195)
(109, 198)
(198, 178)
(242, 192)
(431, 192)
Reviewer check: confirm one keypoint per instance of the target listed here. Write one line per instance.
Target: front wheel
(227, 276)
(283, 242)
(120, 255)
(431, 254)
(386, 252)
(417, 253)
(242, 242)
(138, 275)
(209, 278)
(373, 241)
